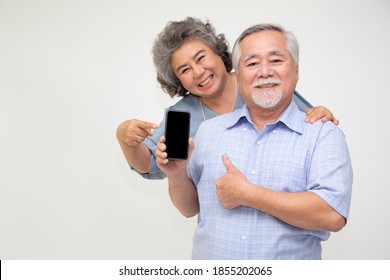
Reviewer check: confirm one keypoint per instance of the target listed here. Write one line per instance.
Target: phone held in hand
(177, 133)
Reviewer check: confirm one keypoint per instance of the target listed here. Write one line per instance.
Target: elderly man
(266, 184)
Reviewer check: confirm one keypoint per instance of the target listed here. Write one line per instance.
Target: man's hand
(232, 187)
(171, 167)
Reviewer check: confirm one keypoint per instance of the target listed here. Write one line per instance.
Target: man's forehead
(254, 55)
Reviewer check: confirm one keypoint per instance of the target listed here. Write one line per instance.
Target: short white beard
(267, 98)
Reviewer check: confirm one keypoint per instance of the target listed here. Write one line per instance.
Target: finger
(139, 138)
(161, 144)
(161, 162)
(147, 127)
(318, 115)
(191, 146)
(161, 139)
(309, 113)
(228, 164)
(334, 120)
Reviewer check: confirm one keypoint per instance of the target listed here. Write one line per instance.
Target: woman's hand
(133, 132)
(320, 113)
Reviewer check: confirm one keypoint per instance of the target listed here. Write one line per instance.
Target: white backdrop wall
(72, 70)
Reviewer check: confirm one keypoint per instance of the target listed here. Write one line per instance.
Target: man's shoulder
(217, 126)
(320, 129)
(298, 117)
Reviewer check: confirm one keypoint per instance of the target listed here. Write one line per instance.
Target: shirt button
(258, 142)
(274, 131)
(244, 128)
(253, 172)
(243, 237)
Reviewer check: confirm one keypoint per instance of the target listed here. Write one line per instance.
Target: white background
(72, 70)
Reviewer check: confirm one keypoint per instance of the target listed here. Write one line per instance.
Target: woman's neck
(224, 102)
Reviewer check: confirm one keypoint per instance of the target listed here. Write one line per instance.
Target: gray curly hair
(174, 35)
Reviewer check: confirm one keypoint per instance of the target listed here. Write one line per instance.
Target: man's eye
(275, 61)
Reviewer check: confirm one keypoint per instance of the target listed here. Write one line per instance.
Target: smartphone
(177, 134)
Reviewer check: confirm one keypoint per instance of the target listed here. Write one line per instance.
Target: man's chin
(266, 103)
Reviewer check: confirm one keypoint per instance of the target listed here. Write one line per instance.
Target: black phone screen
(177, 133)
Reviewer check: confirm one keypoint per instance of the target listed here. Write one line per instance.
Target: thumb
(147, 127)
(228, 164)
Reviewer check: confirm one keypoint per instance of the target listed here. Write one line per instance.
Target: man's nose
(265, 70)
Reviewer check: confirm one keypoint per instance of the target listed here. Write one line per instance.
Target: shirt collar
(291, 118)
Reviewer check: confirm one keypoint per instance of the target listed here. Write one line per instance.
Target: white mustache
(263, 82)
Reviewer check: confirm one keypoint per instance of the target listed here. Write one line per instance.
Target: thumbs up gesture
(232, 187)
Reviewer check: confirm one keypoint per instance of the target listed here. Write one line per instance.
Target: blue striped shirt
(289, 155)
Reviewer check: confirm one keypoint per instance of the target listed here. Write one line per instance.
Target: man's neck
(263, 116)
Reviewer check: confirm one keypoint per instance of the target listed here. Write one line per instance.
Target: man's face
(267, 74)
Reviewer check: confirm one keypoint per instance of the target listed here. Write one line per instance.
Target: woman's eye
(200, 58)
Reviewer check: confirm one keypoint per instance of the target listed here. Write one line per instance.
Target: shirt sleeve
(151, 142)
(331, 174)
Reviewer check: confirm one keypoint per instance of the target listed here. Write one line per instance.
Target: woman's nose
(198, 71)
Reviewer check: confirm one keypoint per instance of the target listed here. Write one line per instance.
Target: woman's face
(200, 70)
